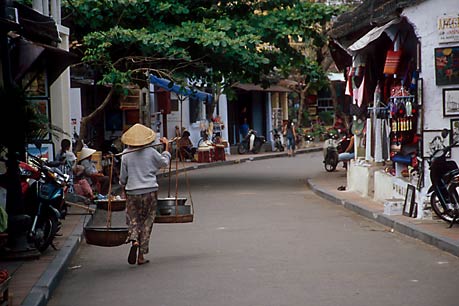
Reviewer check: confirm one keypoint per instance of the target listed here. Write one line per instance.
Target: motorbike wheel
(438, 208)
(330, 163)
(45, 232)
(257, 144)
(242, 148)
(280, 147)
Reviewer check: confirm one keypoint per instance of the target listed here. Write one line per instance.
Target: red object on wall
(164, 101)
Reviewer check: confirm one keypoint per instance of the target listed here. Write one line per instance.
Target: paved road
(260, 237)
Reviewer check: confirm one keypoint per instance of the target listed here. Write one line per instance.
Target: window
(195, 109)
(174, 105)
(325, 104)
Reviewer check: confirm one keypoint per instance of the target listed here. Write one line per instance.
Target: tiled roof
(367, 15)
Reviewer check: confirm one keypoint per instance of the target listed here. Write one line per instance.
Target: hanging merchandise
(393, 57)
(358, 126)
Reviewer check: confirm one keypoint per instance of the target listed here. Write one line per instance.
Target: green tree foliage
(218, 42)
(238, 40)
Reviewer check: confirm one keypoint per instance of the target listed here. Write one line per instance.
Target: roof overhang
(371, 36)
(26, 55)
(35, 26)
(254, 87)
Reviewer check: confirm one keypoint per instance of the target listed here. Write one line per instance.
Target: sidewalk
(433, 232)
(34, 281)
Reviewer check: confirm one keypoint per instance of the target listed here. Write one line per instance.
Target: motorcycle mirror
(445, 133)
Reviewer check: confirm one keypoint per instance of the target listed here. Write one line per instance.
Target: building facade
(404, 109)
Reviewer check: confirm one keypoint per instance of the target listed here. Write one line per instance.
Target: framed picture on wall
(433, 141)
(43, 150)
(454, 138)
(447, 65)
(409, 204)
(450, 102)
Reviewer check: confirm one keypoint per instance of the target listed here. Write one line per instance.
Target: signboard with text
(448, 29)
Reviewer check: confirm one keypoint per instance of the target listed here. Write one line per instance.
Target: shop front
(397, 82)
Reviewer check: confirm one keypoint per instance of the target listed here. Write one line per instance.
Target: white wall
(75, 109)
(424, 17)
(60, 96)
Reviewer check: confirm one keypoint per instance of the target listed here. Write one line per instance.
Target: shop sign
(448, 29)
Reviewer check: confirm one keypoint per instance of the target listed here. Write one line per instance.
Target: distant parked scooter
(330, 150)
(278, 146)
(251, 143)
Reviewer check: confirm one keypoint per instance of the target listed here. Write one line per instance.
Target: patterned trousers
(140, 215)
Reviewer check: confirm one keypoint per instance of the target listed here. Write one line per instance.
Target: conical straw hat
(85, 153)
(138, 135)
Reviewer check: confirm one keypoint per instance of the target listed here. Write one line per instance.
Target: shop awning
(371, 36)
(27, 54)
(181, 90)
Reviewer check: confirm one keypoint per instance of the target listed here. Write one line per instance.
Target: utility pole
(6, 79)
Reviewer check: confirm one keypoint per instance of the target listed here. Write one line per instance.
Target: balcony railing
(50, 8)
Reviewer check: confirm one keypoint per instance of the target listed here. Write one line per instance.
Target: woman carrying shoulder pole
(139, 165)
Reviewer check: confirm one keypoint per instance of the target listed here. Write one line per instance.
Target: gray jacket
(138, 169)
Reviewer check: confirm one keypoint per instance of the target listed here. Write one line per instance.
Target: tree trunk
(303, 92)
(88, 119)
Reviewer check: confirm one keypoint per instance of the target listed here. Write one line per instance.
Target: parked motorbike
(45, 202)
(444, 175)
(278, 146)
(251, 143)
(330, 151)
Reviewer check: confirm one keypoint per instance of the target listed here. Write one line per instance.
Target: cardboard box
(393, 207)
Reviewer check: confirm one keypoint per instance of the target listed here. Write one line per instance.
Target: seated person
(91, 173)
(186, 149)
(348, 154)
(68, 162)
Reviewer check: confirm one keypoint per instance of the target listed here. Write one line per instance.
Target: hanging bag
(393, 58)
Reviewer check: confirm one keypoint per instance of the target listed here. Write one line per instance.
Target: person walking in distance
(139, 164)
(290, 134)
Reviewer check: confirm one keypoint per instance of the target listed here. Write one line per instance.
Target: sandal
(143, 262)
(341, 188)
(132, 258)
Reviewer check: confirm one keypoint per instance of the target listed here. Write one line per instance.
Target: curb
(42, 290)
(49, 280)
(443, 243)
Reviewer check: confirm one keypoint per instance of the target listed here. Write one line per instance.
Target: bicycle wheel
(242, 148)
(438, 208)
